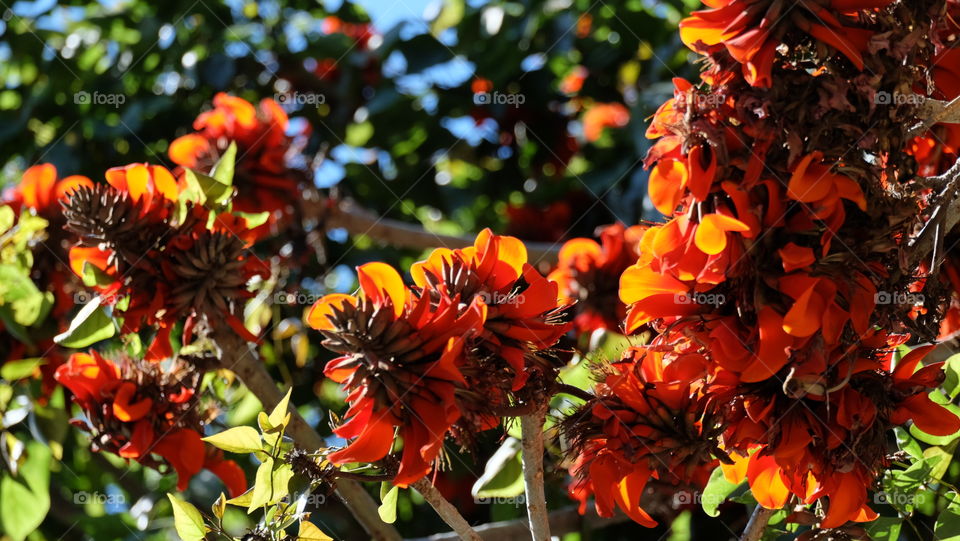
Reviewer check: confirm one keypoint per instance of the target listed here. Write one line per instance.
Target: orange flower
(524, 313)
(751, 30)
(399, 364)
(264, 183)
(40, 191)
(601, 116)
(136, 411)
(647, 421)
(589, 274)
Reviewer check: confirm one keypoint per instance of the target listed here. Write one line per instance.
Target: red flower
(601, 116)
(399, 364)
(751, 30)
(589, 274)
(264, 182)
(139, 411)
(40, 191)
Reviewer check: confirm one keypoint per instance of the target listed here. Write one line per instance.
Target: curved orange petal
(123, 409)
(666, 183)
(711, 234)
(805, 317)
(380, 282)
(317, 315)
(766, 482)
(37, 184)
(637, 283)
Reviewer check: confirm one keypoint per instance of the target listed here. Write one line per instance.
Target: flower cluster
(648, 420)
(136, 410)
(158, 260)
(263, 180)
(589, 273)
(770, 286)
(475, 335)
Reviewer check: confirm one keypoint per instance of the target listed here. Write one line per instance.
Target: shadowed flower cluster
(137, 410)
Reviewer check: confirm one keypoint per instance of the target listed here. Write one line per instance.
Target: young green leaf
(388, 508)
(309, 532)
(279, 415)
(241, 439)
(90, 326)
(187, 520)
(223, 169)
(219, 506)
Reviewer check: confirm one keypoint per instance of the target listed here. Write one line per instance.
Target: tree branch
(944, 216)
(936, 112)
(531, 429)
(562, 522)
(356, 220)
(242, 358)
(446, 510)
(757, 524)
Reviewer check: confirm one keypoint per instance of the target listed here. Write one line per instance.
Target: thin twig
(531, 429)
(446, 510)
(757, 524)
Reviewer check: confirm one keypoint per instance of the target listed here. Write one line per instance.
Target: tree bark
(758, 523)
(531, 429)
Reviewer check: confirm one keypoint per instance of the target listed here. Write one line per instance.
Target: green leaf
(91, 325)
(187, 520)
(951, 383)
(271, 485)
(944, 454)
(503, 474)
(254, 219)
(450, 15)
(7, 217)
(95, 276)
(947, 527)
(279, 415)
(219, 506)
(19, 369)
(25, 500)
(718, 489)
(241, 439)
(214, 192)
(359, 134)
(17, 291)
(223, 169)
(884, 529)
(905, 442)
(388, 509)
(309, 532)
(242, 500)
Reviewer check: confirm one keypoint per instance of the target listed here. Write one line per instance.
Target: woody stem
(757, 524)
(446, 510)
(531, 429)
(241, 358)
